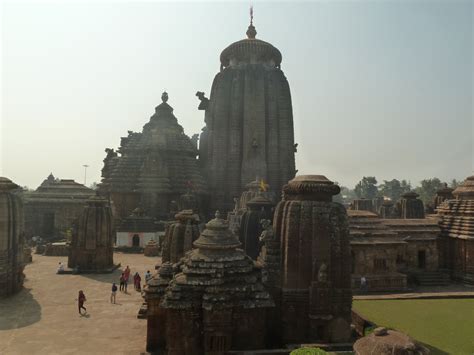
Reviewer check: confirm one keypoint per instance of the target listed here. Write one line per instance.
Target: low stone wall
(56, 249)
(382, 282)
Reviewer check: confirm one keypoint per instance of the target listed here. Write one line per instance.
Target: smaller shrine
(217, 301)
(410, 206)
(258, 208)
(180, 235)
(91, 248)
(137, 230)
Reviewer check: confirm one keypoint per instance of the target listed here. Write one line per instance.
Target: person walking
(80, 301)
(363, 284)
(126, 277)
(122, 282)
(137, 282)
(114, 292)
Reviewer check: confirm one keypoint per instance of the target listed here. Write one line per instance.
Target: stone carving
(323, 274)
(11, 239)
(91, 248)
(204, 104)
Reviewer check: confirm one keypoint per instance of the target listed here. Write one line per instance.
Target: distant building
(54, 207)
(137, 230)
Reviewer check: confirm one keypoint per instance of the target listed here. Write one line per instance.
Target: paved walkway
(43, 318)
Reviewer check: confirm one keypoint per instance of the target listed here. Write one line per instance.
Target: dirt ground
(43, 318)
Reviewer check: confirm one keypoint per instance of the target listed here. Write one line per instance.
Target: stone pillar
(316, 262)
(11, 239)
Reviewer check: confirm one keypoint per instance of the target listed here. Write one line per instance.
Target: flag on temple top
(263, 185)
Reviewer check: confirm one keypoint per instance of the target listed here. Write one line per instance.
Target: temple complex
(314, 300)
(152, 169)
(11, 239)
(54, 207)
(216, 302)
(377, 252)
(249, 122)
(457, 231)
(91, 248)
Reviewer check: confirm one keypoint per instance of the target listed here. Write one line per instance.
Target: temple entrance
(421, 259)
(48, 225)
(136, 240)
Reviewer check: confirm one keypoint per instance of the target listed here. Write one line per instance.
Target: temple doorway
(421, 259)
(136, 240)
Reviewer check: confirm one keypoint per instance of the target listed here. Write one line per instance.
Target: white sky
(380, 88)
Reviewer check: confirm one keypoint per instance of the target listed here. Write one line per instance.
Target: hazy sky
(380, 88)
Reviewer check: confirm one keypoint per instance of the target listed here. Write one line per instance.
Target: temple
(152, 169)
(91, 248)
(314, 297)
(54, 207)
(11, 239)
(249, 122)
(457, 231)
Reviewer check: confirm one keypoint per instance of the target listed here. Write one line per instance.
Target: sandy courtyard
(43, 318)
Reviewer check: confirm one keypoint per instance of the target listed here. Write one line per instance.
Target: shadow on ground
(106, 278)
(19, 310)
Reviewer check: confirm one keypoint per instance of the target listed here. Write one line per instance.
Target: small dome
(251, 50)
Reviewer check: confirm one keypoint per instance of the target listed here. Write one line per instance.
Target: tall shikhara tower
(249, 122)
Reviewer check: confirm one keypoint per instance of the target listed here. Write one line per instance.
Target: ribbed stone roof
(251, 50)
(59, 189)
(161, 159)
(216, 274)
(6, 184)
(465, 191)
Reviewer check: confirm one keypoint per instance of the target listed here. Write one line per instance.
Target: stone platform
(43, 318)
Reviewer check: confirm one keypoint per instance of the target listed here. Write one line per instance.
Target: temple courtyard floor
(446, 326)
(43, 318)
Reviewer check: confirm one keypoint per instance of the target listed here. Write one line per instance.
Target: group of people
(124, 278)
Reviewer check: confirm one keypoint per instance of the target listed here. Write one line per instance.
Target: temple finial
(164, 97)
(251, 31)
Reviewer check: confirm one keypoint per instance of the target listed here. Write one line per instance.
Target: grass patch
(445, 325)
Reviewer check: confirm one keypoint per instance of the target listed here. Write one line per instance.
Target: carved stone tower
(11, 239)
(91, 248)
(315, 262)
(249, 122)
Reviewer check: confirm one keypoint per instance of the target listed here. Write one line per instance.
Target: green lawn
(445, 325)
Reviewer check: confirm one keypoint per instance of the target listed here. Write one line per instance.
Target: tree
(393, 189)
(93, 186)
(367, 187)
(345, 196)
(454, 183)
(427, 189)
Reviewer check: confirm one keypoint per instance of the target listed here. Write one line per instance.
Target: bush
(308, 351)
